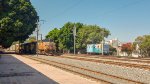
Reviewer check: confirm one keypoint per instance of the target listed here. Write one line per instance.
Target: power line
(69, 8)
(122, 7)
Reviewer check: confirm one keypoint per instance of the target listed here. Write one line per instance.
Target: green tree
(17, 21)
(136, 44)
(54, 35)
(112, 50)
(66, 35)
(0, 7)
(63, 37)
(86, 34)
(144, 45)
(89, 34)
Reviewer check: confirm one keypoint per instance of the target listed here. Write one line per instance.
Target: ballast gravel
(134, 74)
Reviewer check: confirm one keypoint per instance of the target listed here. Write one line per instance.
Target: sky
(125, 19)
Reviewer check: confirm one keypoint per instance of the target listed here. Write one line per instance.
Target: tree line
(85, 34)
(141, 45)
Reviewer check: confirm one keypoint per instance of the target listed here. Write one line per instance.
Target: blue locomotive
(97, 48)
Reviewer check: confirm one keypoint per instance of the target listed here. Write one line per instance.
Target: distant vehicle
(97, 48)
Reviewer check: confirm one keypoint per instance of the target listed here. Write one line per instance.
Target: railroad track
(124, 64)
(142, 60)
(95, 75)
(115, 58)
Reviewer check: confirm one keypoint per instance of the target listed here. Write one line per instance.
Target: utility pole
(41, 36)
(74, 34)
(117, 47)
(38, 26)
(37, 37)
(102, 48)
(43, 21)
(103, 42)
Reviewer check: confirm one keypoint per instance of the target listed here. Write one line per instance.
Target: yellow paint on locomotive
(46, 47)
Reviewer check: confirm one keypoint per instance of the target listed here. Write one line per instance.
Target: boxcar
(28, 48)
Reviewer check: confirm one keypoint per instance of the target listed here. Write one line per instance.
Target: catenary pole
(74, 34)
(103, 42)
(38, 27)
(37, 37)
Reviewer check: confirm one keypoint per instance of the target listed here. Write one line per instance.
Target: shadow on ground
(14, 71)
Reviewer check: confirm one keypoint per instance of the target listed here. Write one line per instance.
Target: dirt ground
(15, 69)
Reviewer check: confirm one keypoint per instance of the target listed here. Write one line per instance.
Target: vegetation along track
(124, 64)
(98, 76)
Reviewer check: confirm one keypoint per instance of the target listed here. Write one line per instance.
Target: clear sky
(126, 19)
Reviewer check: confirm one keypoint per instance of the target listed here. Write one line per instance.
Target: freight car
(28, 48)
(13, 48)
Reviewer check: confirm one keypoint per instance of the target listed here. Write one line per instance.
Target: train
(97, 48)
(41, 47)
